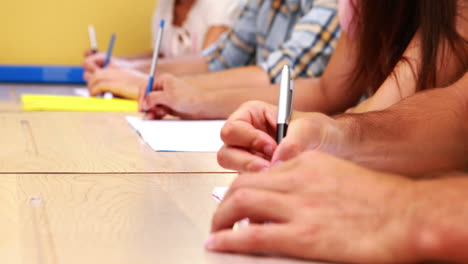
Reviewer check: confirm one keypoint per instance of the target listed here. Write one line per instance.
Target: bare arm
(331, 93)
(189, 64)
(423, 133)
(213, 34)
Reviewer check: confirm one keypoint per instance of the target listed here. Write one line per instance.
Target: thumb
(289, 148)
(302, 135)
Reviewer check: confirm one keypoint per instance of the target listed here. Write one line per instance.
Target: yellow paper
(35, 102)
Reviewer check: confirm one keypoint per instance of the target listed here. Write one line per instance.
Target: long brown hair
(384, 29)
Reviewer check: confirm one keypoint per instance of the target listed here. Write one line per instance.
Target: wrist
(208, 105)
(431, 239)
(399, 232)
(349, 136)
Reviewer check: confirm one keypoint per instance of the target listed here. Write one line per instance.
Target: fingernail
(268, 150)
(264, 169)
(209, 243)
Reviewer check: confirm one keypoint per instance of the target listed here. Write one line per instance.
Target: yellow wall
(55, 31)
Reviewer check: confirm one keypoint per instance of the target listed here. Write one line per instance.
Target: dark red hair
(384, 29)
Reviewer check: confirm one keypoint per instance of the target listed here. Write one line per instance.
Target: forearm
(248, 78)
(423, 134)
(176, 66)
(142, 56)
(193, 64)
(226, 91)
(313, 95)
(229, 89)
(437, 216)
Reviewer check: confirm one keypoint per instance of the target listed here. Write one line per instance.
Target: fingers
(142, 96)
(255, 204)
(88, 53)
(241, 160)
(253, 239)
(261, 115)
(245, 135)
(97, 81)
(154, 99)
(99, 87)
(278, 179)
(303, 134)
(87, 76)
(159, 84)
(158, 112)
(93, 62)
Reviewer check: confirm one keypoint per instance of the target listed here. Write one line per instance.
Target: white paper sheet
(176, 135)
(218, 193)
(83, 92)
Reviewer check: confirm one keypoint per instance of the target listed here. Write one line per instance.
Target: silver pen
(285, 102)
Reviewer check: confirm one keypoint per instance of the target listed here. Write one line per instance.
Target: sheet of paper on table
(177, 135)
(84, 92)
(218, 193)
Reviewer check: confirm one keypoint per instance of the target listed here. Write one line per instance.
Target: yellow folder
(35, 102)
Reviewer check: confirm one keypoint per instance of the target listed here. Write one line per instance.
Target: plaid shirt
(273, 33)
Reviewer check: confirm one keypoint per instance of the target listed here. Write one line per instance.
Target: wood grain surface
(58, 142)
(119, 219)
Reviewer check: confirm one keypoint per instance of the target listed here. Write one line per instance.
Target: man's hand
(249, 137)
(317, 207)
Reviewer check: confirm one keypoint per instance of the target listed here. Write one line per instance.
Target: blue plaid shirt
(272, 33)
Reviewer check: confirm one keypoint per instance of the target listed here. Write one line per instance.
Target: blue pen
(157, 47)
(109, 51)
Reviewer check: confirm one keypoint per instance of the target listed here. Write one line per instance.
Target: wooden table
(84, 188)
(57, 142)
(113, 218)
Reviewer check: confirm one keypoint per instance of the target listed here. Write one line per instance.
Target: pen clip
(285, 96)
(290, 98)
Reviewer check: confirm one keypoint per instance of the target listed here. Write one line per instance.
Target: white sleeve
(223, 12)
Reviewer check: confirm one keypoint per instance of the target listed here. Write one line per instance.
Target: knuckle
(215, 220)
(255, 238)
(237, 183)
(251, 166)
(223, 156)
(241, 199)
(227, 132)
(291, 148)
(251, 104)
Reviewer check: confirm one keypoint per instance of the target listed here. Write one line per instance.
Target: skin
(405, 138)
(403, 81)
(221, 93)
(125, 79)
(318, 207)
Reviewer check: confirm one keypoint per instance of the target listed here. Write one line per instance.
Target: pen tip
(162, 23)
